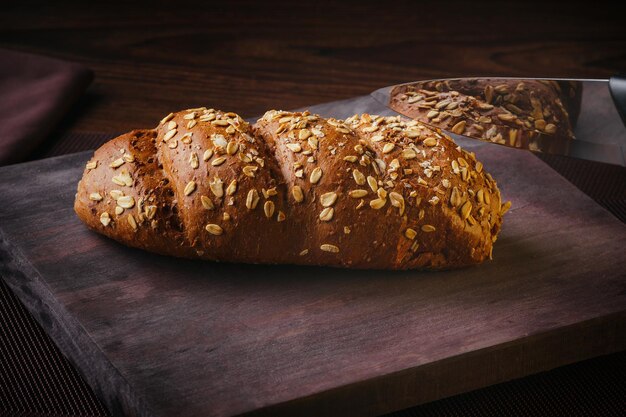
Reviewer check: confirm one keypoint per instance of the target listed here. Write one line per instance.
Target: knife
(580, 118)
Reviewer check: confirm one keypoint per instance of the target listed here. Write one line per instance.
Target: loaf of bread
(530, 114)
(294, 188)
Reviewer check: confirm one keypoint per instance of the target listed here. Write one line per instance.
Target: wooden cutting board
(158, 336)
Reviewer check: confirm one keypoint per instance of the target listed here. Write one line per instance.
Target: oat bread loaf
(294, 188)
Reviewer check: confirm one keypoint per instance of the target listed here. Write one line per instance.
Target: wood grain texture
(153, 57)
(160, 336)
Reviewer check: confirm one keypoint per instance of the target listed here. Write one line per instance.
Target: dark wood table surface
(153, 57)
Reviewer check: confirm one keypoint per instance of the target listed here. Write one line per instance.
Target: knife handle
(617, 86)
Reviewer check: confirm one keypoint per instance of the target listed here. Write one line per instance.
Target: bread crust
(294, 188)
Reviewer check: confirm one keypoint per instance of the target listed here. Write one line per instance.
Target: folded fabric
(35, 93)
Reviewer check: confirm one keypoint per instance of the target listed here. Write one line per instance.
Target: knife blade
(571, 117)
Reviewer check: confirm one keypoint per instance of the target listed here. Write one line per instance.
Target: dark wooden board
(157, 336)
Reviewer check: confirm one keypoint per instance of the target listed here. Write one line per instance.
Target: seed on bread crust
(326, 247)
(105, 219)
(214, 229)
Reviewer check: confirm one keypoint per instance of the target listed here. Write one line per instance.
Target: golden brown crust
(368, 192)
(127, 167)
(426, 168)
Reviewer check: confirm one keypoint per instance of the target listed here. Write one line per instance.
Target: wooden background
(152, 57)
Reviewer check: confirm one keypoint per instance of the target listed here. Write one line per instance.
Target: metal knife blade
(571, 117)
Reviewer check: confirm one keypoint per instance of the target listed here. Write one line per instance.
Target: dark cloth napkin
(35, 93)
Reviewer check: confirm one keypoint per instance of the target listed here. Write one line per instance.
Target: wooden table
(252, 56)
